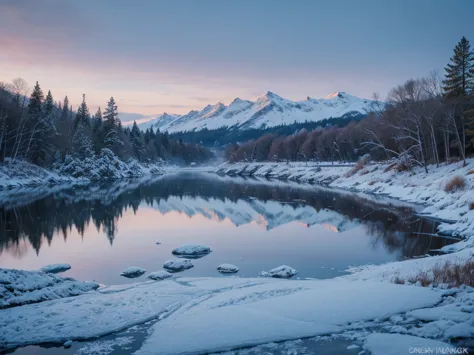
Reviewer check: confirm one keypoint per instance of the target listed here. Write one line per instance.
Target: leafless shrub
(372, 182)
(452, 274)
(361, 163)
(455, 184)
(389, 167)
(399, 281)
(471, 205)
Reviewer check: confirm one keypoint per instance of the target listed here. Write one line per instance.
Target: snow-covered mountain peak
(334, 95)
(268, 110)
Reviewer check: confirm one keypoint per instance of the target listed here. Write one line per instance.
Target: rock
(227, 269)
(68, 344)
(157, 243)
(283, 272)
(192, 251)
(159, 275)
(132, 272)
(55, 268)
(178, 265)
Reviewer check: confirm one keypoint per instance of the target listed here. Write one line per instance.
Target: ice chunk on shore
(55, 268)
(227, 269)
(395, 344)
(159, 275)
(192, 251)
(132, 272)
(282, 272)
(178, 265)
(18, 287)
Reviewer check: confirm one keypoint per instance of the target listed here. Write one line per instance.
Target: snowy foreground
(202, 315)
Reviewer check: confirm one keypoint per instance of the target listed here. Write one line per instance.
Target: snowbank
(216, 314)
(19, 287)
(55, 268)
(105, 166)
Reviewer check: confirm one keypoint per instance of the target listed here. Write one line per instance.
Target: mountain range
(269, 110)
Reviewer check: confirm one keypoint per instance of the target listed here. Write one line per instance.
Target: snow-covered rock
(18, 287)
(68, 344)
(192, 251)
(282, 272)
(133, 271)
(227, 269)
(397, 344)
(178, 265)
(159, 275)
(55, 268)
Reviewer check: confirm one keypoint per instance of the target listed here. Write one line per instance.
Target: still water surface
(257, 225)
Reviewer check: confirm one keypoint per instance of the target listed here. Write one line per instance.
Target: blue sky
(174, 56)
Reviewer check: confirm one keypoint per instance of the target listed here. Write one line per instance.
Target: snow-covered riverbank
(203, 315)
(16, 174)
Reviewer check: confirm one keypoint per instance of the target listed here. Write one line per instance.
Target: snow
(68, 344)
(133, 271)
(20, 174)
(268, 110)
(227, 269)
(159, 275)
(55, 268)
(398, 344)
(283, 272)
(216, 314)
(18, 287)
(192, 250)
(178, 265)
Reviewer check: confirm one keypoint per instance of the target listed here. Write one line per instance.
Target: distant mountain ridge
(269, 110)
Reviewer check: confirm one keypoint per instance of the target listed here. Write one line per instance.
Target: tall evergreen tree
(459, 77)
(81, 142)
(41, 129)
(48, 103)
(136, 141)
(97, 120)
(36, 102)
(111, 126)
(65, 111)
(82, 115)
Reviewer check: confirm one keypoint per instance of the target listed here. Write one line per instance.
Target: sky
(174, 56)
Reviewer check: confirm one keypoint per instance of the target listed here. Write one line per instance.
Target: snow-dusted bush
(104, 166)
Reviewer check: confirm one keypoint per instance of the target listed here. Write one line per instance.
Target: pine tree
(49, 103)
(111, 126)
(459, 75)
(97, 120)
(36, 102)
(82, 115)
(81, 142)
(136, 141)
(65, 111)
(41, 129)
